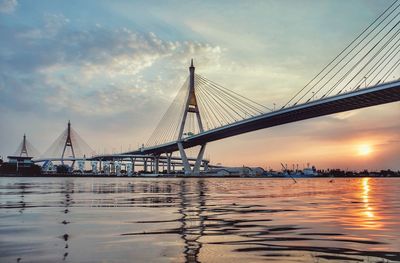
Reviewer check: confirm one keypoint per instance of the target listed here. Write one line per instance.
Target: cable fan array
(217, 105)
(81, 148)
(168, 127)
(220, 106)
(370, 59)
(31, 151)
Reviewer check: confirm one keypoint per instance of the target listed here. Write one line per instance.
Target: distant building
(241, 171)
(20, 161)
(19, 165)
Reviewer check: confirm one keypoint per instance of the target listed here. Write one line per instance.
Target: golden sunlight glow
(364, 149)
(364, 213)
(368, 213)
(370, 219)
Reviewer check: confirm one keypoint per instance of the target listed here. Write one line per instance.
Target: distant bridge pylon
(26, 149)
(68, 143)
(68, 147)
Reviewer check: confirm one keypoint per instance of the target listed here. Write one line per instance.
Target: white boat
(310, 171)
(306, 172)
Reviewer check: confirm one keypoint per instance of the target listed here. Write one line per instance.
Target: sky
(113, 68)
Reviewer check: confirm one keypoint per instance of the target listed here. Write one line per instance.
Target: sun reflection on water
(369, 218)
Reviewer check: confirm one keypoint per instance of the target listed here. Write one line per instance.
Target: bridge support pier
(145, 164)
(205, 166)
(169, 162)
(199, 160)
(156, 163)
(133, 165)
(185, 162)
(186, 165)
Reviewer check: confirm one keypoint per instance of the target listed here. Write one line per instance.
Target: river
(199, 220)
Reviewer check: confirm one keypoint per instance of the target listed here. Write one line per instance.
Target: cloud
(92, 71)
(115, 81)
(8, 6)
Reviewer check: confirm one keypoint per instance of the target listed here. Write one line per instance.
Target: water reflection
(191, 204)
(67, 192)
(369, 218)
(200, 220)
(22, 202)
(191, 209)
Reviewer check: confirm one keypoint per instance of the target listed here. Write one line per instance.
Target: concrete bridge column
(156, 163)
(112, 167)
(184, 158)
(133, 165)
(151, 165)
(186, 165)
(169, 162)
(197, 165)
(205, 166)
(145, 164)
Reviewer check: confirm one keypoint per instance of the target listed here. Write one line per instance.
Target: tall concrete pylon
(23, 148)
(68, 143)
(191, 107)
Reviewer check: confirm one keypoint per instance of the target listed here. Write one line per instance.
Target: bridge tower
(191, 107)
(23, 148)
(68, 143)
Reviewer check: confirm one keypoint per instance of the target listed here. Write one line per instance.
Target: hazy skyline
(112, 68)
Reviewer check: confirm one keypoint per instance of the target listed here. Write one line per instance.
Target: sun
(364, 149)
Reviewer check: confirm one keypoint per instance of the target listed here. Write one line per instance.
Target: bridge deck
(111, 157)
(371, 96)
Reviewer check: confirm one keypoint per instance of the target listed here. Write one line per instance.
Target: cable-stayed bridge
(365, 73)
(359, 98)
(361, 75)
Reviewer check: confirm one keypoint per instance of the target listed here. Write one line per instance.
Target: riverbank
(395, 175)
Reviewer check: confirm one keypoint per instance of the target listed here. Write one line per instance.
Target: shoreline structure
(332, 174)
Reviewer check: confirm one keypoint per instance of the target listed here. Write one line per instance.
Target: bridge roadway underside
(385, 93)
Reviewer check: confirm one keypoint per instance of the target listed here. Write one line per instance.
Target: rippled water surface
(199, 220)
